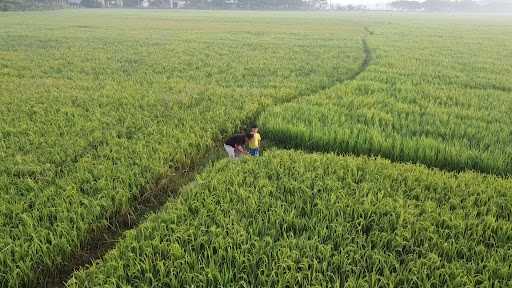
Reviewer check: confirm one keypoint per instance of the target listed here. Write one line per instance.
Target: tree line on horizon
(6, 5)
(401, 5)
(453, 6)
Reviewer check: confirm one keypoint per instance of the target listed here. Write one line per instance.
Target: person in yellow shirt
(254, 142)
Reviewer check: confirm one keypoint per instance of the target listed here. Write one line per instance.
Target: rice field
(437, 92)
(291, 219)
(96, 105)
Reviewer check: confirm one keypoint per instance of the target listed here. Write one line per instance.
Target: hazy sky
(366, 2)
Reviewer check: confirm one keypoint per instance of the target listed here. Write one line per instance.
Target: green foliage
(294, 220)
(95, 105)
(252, 4)
(13, 5)
(9, 5)
(437, 93)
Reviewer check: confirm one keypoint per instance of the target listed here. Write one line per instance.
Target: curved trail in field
(151, 199)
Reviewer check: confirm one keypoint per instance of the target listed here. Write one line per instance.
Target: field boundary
(102, 239)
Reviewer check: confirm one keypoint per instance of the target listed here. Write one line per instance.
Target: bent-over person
(234, 146)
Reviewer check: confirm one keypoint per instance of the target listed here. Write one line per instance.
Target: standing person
(234, 146)
(254, 142)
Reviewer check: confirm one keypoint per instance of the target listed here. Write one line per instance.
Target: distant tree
(497, 6)
(253, 4)
(351, 7)
(7, 5)
(132, 3)
(446, 5)
(467, 5)
(437, 5)
(407, 5)
(92, 3)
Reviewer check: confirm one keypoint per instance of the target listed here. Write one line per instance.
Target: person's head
(254, 129)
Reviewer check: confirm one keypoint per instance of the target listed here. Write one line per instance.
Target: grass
(437, 92)
(290, 219)
(96, 105)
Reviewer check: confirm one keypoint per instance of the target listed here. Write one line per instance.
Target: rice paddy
(95, 105)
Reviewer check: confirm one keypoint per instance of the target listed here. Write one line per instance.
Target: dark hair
(254, 126)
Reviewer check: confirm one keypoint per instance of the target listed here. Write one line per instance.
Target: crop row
(95, 105)
(291, 219)
(437, 92)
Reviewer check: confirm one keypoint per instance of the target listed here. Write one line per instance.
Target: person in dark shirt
(234, 146)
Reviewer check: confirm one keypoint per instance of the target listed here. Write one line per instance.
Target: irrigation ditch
(165, 187)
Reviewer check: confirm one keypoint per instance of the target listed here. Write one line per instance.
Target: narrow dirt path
(153, 198)
(150, 200)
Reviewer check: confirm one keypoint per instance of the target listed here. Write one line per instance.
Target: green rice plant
(95, 105)
(437, 92)
(290, 219)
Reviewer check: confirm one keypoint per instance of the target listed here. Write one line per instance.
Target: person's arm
(240, 149)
